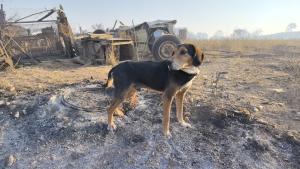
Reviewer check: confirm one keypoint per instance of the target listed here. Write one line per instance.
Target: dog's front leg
(179, 107)
(167, 101)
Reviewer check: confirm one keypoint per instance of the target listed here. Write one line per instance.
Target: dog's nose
(196, 62)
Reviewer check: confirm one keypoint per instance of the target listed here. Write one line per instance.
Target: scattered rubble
(278, 90)
(2, 103)
(10, 161)
(17, 114)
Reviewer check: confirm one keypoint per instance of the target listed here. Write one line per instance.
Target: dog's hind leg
(119, 95)
(133, 98)
(113, 106)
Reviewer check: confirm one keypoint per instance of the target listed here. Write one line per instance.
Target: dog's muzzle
(176, 66)
(196, 62)
(190, 70)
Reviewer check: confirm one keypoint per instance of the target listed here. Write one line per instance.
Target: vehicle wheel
(164, 46)
(151, 42)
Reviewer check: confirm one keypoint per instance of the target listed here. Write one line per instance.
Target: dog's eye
(183, 52)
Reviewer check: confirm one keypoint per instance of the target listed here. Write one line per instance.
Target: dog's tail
(110, 79)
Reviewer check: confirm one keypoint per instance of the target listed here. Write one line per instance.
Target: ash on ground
(47, 134)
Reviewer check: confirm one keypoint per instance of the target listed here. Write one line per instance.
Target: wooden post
(7, 58)
(65, 32)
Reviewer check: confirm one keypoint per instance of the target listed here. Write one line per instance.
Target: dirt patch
(50, 74)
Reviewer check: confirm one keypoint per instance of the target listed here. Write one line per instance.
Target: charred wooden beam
(37, 13)
(65, 32)
(46, 16)
(31, 21)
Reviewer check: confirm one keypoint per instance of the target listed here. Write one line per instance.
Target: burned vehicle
(156, 36)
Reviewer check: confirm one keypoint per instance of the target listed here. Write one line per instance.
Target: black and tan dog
(171, 77)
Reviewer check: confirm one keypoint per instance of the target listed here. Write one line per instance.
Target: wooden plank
(122, 43)
(120, 39)
(101, 36)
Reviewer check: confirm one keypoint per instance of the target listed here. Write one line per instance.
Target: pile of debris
(23, 38)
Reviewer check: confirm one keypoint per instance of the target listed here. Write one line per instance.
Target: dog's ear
(199, 54)
(177, 48)
(195, 51)
(202, 57)
(180, 45)
(191, 49)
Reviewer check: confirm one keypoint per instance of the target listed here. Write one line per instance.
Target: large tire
(151, 42)
(164, 46)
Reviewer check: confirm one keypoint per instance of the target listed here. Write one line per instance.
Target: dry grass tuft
(244, 45)
(38, 78)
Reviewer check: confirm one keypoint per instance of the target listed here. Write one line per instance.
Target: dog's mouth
(176, 66)
(190, 69)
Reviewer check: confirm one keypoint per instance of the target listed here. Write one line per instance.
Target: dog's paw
(167, 134)
(185, 124)
(119, 113)
(111, 127)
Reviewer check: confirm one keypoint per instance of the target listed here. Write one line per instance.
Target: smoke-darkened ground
(243, 108)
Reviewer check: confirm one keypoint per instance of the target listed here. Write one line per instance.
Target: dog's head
(188, 58)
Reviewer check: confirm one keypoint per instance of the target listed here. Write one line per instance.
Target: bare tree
(202, 35)
(98, 26)
(218, 35)
(291, 27)
(257, 33)
(12, 18)
(240, 34)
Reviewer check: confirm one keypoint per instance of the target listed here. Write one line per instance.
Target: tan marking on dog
(110, 82)
(199, 54)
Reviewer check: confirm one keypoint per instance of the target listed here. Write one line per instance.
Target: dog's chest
(182, 78)
(188, 84)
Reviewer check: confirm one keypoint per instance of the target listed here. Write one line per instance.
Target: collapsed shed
(35, 39)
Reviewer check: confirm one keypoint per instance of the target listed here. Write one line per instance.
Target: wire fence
(40, 39)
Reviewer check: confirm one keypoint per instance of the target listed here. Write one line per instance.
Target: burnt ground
(244, 110)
